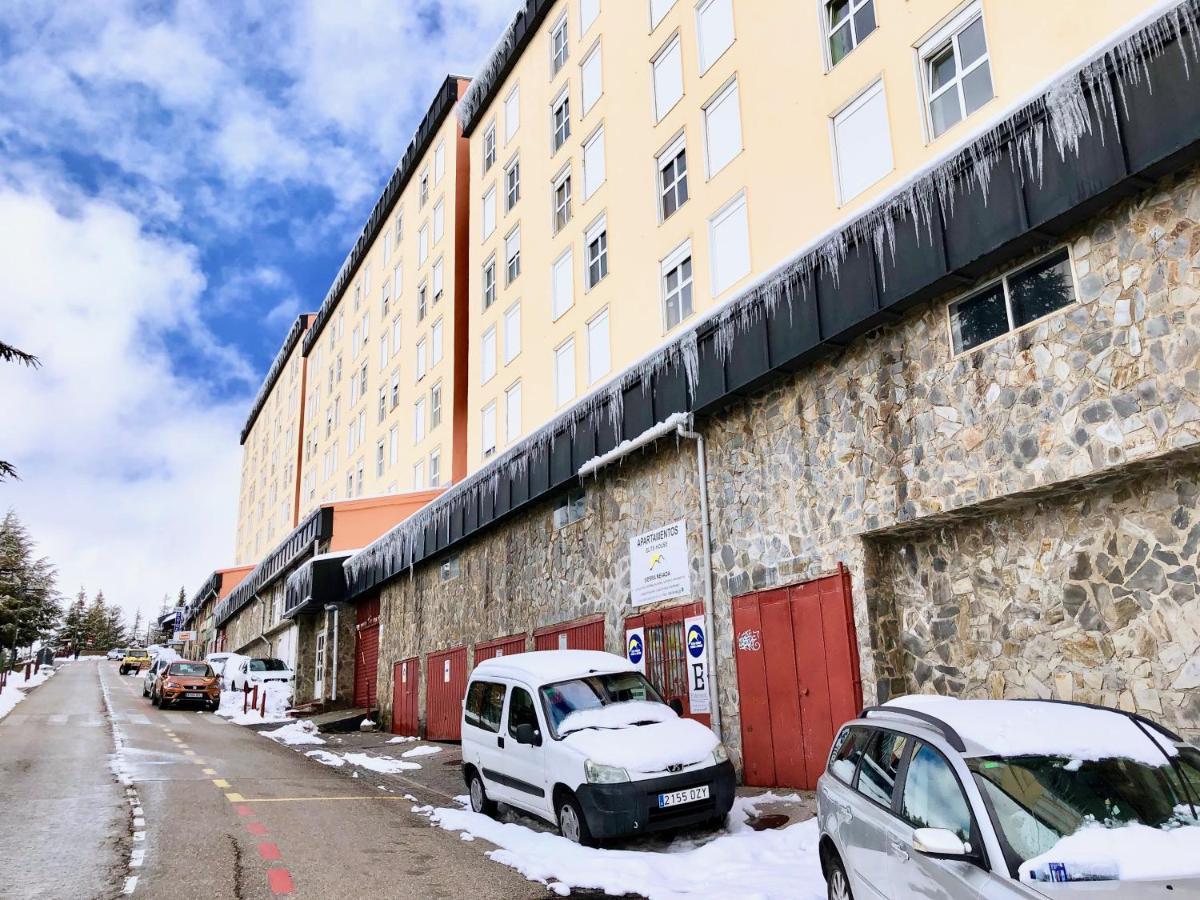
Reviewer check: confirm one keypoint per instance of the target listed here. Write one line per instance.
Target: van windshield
(594, 692)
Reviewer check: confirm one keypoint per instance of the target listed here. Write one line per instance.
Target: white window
(714, 27)
(489, 282)
(561, 195)
(487, 357)
(846, 23)
(435, 468)
(512, 184)
(560, 119)
(423, 244)
(593, 163)
(435, 405)
(599, 353)
(672, 178)
(489, 212)
(563, 284)
(395, 335)
(595, 252)
(593, 80)
(729, 245)
(957, 70)
(439, 162)
(862, 143)
(439, 278)
(512, 333)
(419, 475)
(588, 11)
(489, 146)
(423, 187)
(559, 45)
(723, 128)
(421, 359)
(489, 429)
(379, 457)
(512, 255)
(512, 413)
(677, 286)
(395, 388)
(564, 373)
(668, 78)
(512, 113)
(393, 445)
(387, 246)
(398, 280)
(419, 420)
(383, 350)
(658, 9)
(439, 220)
(399, 230)
(435, 339)
(422, 300)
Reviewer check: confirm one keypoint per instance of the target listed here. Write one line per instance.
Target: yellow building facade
(636, 164)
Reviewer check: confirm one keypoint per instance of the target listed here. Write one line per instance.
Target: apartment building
(268, 502)
(636, 164)
(385, 391)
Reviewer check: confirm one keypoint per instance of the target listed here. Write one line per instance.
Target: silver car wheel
(568, 823)
(838, 889)
(476, 795)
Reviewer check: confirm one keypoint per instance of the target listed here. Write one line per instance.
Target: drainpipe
(334, 608)
(705, 531)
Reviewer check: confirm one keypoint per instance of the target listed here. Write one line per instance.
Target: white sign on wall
(181, 636)
(695, 642)
(658, 565)
(635, 647)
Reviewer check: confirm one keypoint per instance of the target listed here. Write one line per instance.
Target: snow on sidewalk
(279, 699)
(303, 732)
(14, 692)
(737, 862)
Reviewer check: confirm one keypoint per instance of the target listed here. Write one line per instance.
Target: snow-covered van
(581, 739)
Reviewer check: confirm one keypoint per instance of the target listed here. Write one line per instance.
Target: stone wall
(243, 629)
(893, 435)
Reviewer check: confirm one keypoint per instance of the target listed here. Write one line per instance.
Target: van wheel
(571, 822)
(145, 693)
(838, 883)
(479, 798)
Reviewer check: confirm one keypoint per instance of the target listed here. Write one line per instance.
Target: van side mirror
(526, 734)
(940, 843)
(676, 704)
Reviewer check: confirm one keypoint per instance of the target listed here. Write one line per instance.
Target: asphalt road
(117, 797)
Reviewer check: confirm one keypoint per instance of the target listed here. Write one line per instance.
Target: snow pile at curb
(424, 750)
(737, 862)
(1131, 852)
(326, 758)
(279, 699)
(402, 739)
(384, 765)
(295, 733)
(14, 691)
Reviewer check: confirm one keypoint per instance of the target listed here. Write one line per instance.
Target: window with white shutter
(593, 79)
(668, 78)
(599, 352)
(564, 373)
(714, 27)
(658, 9)
(489, 429)
(512, 333)
(588, 11)
(487, 356)
(563, 284)
(729, 245)
(862, 143)
(512, 113)
(435, 340)
(723, 128)
(512, 413)
(593, 163)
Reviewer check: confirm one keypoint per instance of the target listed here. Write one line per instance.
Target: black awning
(319, 581)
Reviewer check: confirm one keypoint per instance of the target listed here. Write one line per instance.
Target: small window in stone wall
(571, 508)
(1017, 299)
(450, 569)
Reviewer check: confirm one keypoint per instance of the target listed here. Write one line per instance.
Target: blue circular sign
(635, 648)
(695, 641)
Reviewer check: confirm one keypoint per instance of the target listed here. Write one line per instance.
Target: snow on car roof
(1034, 728)
(545, 666)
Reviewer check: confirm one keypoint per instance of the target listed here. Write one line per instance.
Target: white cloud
(129, 471)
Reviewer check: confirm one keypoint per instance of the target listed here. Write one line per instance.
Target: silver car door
(871, 811)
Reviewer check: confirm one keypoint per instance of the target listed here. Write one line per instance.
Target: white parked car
(217, 661)
(116, 653)
(241, 671)
(581, 739)
(157, 664)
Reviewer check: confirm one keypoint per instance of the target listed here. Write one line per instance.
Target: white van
(581, 739)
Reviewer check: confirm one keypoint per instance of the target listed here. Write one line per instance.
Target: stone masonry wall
(891, 435)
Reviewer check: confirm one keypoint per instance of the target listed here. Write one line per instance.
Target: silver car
(909, 807)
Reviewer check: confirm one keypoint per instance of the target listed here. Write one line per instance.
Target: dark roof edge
(500, 61)
(443, 103)
(273, 373)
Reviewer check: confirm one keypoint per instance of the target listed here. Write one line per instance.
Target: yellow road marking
(198, 761)
(234, 798)
(183, 745)
(189, 752)
(210, 771)
(221, 782)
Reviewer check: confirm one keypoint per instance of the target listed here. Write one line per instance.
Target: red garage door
(580, 634)
(499, 647)
(406, 685)
(666, 653)
(445, 684)
(366, 653)
(798, 677)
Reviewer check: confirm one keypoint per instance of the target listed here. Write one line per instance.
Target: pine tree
(28, 595)
(9, 353)
(135, 630)
(71, 628)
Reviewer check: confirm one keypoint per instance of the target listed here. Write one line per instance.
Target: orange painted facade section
(357, 523)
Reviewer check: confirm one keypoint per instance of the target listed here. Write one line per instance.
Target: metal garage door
(445, 685)
(798, 677)
(579, 634)
(406, 688)
(666, 652)
(499, 647)
(366, 653)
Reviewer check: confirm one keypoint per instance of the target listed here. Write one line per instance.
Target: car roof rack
(1149, 723)
(952, 737)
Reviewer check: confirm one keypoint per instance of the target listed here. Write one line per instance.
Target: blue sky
(179, 180)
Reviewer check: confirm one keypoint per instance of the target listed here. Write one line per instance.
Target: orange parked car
(184, 681)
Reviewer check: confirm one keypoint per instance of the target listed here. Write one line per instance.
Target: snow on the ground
(736, 862)
(14, 690)
(402, 739)
(385, 765)
(326, 758)
(304, 732)
(423, 750)
(279, 698)
(1131, 852)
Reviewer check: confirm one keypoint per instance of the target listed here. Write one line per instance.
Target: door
(798, 678)
(319, 667)
(500, 647)
(445, 682)
(406, 685)
(366, 653)
(666, 653)
(580, 634)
